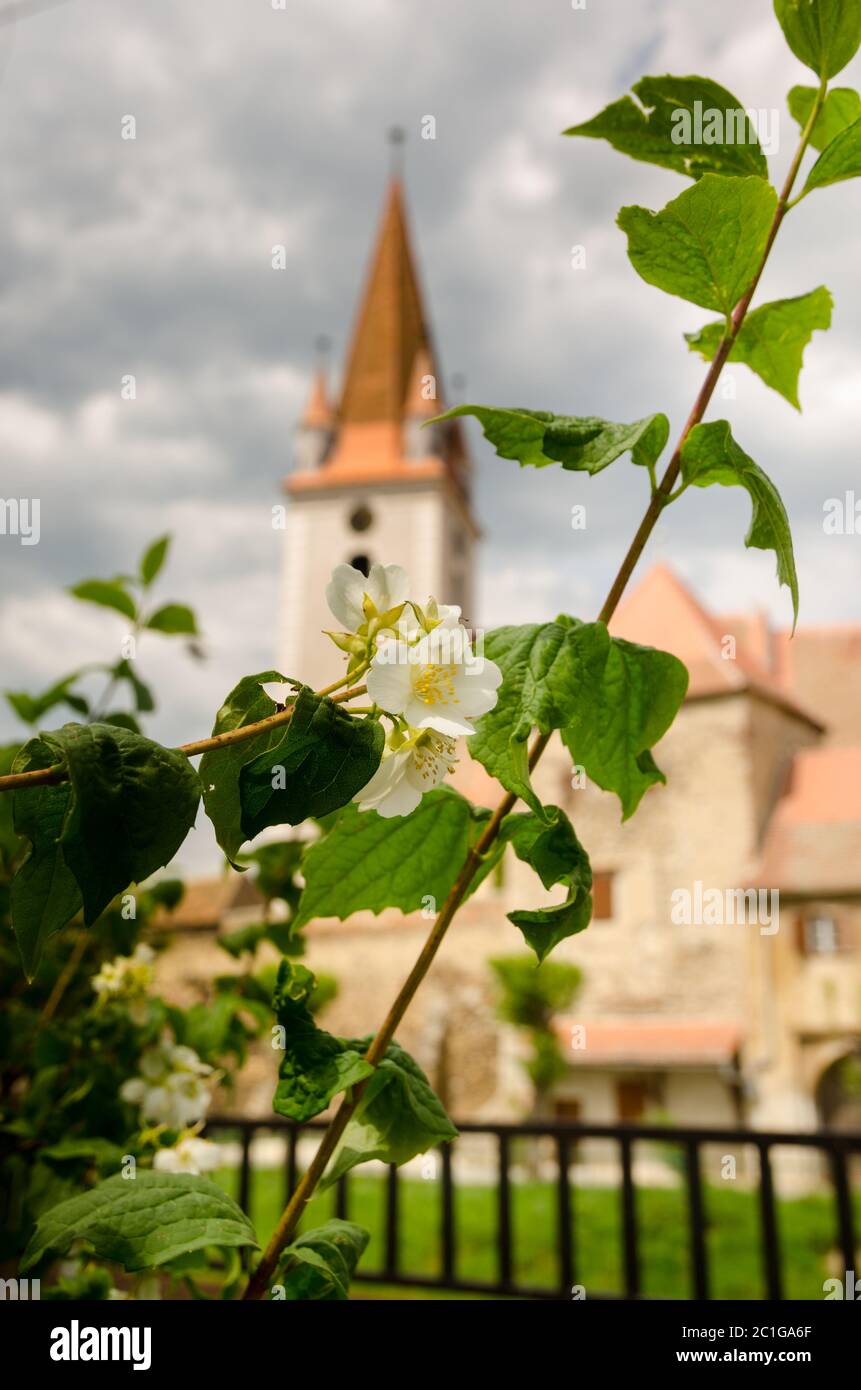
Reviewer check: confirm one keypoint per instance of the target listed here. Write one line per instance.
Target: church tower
(368, 484)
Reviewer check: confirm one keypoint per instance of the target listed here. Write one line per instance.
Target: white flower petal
(401, 800)
(389, 680)
(445, 719)
(387, 585)
(389, 772)
(345, 593)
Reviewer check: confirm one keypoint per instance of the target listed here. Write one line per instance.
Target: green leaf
(124, 671)
(398, 1116)
(9, 841)
(174, 619)
(711, 455)
(707, 244)
(670, 125)
(838, 161)
(772, 339)
(611, 699)
(126, 809)
(619, 717)
(557, 856)
(368, 862)
(108, 593)
(93, 1148)
(544, 927)
(824, 34)
(32, 708)
(315, 1066)
(120, 719)
(842, 106)
(587, 444)
(247, 703)
(321, 1263)
(543, 666)
(45, 895)
(143, 1222)
(323, 758)
(153, 558)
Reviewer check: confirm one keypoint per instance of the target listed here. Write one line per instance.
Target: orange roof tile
(390, 329)
(662, 612)
(318, 412)
(206, 901)
(675, 1042)
(418, 405)
(813, 842)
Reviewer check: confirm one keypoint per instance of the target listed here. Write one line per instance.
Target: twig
(64, 979)
(50, 776)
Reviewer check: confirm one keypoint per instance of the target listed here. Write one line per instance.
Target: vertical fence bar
(503, 1193)
(629, 1219)
(392, 1242)
(770, 1246)
(341, 1201)
(845, 1223)
(290, 1167)
(697, 1218)
(244, 1198)
(563, 1204)
(447, 1224)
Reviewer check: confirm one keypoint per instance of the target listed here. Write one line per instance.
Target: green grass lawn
(806, 1224)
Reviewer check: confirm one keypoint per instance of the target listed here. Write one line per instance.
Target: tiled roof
(813, 843)
(318, 411)
(390, 329)
(207, 901)
(822, 665)
(653, 1042)
(662, 612)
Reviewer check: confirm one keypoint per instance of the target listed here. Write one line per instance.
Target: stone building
(748, 1014)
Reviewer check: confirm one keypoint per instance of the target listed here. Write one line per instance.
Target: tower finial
(396, 136)
(322, 348)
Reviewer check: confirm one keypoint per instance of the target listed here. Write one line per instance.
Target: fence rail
(837, 1146)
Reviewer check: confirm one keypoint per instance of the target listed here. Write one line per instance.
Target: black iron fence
(561, 1143)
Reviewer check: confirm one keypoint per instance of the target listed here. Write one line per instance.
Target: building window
(361, 563)
(361, 518)
(602, 896)
(821, 936)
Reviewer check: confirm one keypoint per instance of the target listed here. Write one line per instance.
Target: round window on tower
(361, 518)
(361, 563)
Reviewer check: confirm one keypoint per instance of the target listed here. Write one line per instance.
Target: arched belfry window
(363, 563)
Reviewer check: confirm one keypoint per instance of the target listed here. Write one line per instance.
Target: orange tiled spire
(381, 400)
(319, 412)
(419, 405)
(390, 329)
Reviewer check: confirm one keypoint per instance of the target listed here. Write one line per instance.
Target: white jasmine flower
(190, 1155)
(437, 683)
(127, 980)
(406, 773)
(171, 1088)
(387, 587)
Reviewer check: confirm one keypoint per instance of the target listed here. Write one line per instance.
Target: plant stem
(65, 977)
(290, 1217)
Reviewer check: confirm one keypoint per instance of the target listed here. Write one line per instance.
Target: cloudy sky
(258, 126)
